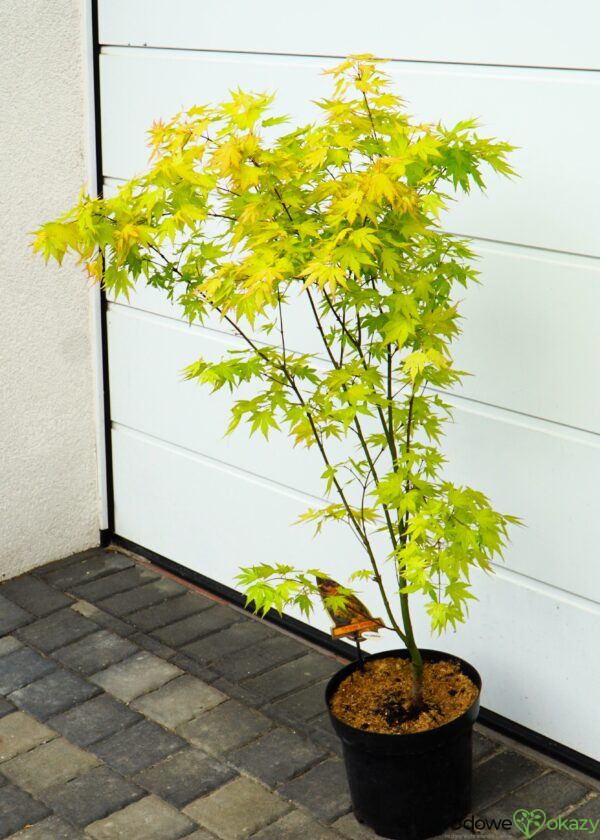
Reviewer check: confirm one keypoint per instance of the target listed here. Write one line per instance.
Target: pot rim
(380, 740)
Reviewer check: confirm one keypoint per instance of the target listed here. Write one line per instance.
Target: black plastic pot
(413, 786)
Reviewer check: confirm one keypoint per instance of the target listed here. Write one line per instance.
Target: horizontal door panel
(140, 86)
(545, 113)
(521, 106)
(545, 474)
(211, 519)
(148, 393)
(542, 33)
(301, 334)
(508, 457)
(530, 331)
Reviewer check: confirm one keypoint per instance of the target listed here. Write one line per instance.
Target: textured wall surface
(48, 484)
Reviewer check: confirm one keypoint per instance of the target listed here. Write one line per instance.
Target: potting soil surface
(378, 697)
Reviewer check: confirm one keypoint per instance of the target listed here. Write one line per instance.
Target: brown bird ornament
(353, 619)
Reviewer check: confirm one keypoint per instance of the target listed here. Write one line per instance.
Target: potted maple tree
(339, 218)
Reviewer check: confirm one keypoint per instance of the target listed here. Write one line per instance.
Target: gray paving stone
(136, 675)
(103, 619)
(114, 583)
(348, 826)
(292, 675)
(55, 630)
(95, 565)
(186, 776)
(261, 657)
(18, 809)
(203, 672)
(5, 707)
(8, 644)
(237, 810)
(21, 667)
(153, 645)
(178, 701)
(482, 746)
(552, 792)
(322, 721)
(95, 652)
(323, 790)
(91, 796)
(566, 830)
(500, 774)
(321, 732)
(137, 747)
(147, 819)
(94, 720)
(53, 693)
(52, 763)
(229, 725)
(221, 645)
(170, 611)
(237, 692)
(34, 595)
(295, 826)
(20, 732)
(142, 596)
(276, 756)
(69, 560)
(52, 828)
(194, 626)
(11, 616)
(303, 704)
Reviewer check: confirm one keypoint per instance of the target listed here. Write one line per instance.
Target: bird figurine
(353, 619)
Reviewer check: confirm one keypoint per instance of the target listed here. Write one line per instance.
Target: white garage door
(527, 424)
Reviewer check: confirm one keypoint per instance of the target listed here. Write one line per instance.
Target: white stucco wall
(48, 482)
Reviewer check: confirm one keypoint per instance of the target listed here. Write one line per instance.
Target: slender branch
(281, 330)
(415, 654)
(342, 341)
(393, 450)
(221, 216)
(319, 326)
(283, 204)
(368, 107)
(388, 431)
(355, 343)
(356, 421)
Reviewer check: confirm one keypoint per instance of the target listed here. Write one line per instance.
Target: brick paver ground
(133, 707)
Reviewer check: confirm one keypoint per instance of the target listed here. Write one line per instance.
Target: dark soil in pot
(377, 697)
(411, 779)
